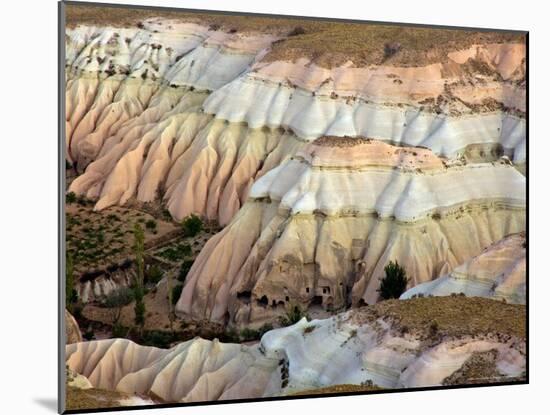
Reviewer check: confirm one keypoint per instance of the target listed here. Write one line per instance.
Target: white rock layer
(139, 131)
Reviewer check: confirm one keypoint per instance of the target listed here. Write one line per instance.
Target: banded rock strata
(351, 348)
(319, 229)
(178, 111)
(498, 272)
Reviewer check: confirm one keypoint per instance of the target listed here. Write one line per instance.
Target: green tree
(191, 225)
(71, 295)
(153, 274)
(394, 283)
(171, 303)
(184, 270)
(151, 224)
(70, 198)
(176, 293)
(138, 290)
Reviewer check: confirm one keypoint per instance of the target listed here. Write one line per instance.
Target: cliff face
(194, 115)
(319, 229)
(357, 347)
(252, 129)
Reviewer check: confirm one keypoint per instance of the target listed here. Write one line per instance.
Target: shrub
(139, 306)
(192, 225)
(89, 335)
(166, 214)
(119, 298)
(175, 253)
(184, 270)
(248, 334)
(394, 283)
(157, 339)
(298, 30)
(230, 336)
(153, 274)
(293, 315)
(119, 330)
(391, 49)
(434, 328)
(71, 296)
(151, 224)
(176, 293)
(70, 198)
(81, 200)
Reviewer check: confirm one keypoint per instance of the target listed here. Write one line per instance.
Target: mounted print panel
(276, 207)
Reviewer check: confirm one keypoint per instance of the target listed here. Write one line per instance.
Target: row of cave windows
(318, 299)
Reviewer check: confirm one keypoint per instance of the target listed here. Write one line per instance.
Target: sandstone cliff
(319, 229)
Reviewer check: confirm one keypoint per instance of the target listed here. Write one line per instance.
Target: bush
(157, 339)
(139, 306)
(248, 334)
(153, 274)
(175, 253)
(119, 330)
(191, 225)
(151, 224)
(71, 295)
(293, 315)
(89, 335)
(184, 270)
(70, 198)
(394, 283)
(119, 298)
(298, 30)
(391, 49)
(176, 293)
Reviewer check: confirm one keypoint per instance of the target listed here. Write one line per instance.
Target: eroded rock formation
(194, 115)
(388, 345)
(319, 229)
(498, 272)
(73, 334)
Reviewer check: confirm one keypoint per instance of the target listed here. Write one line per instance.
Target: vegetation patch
(394, 282)
(294, 314)
(453, 316)
(77, 398)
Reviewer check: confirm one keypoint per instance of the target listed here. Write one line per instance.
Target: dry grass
(345, 388)
(480, 367)
(326, 43)
(92, 398)
(453, 316)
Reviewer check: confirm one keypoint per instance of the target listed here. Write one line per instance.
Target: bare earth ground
(97, 239)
